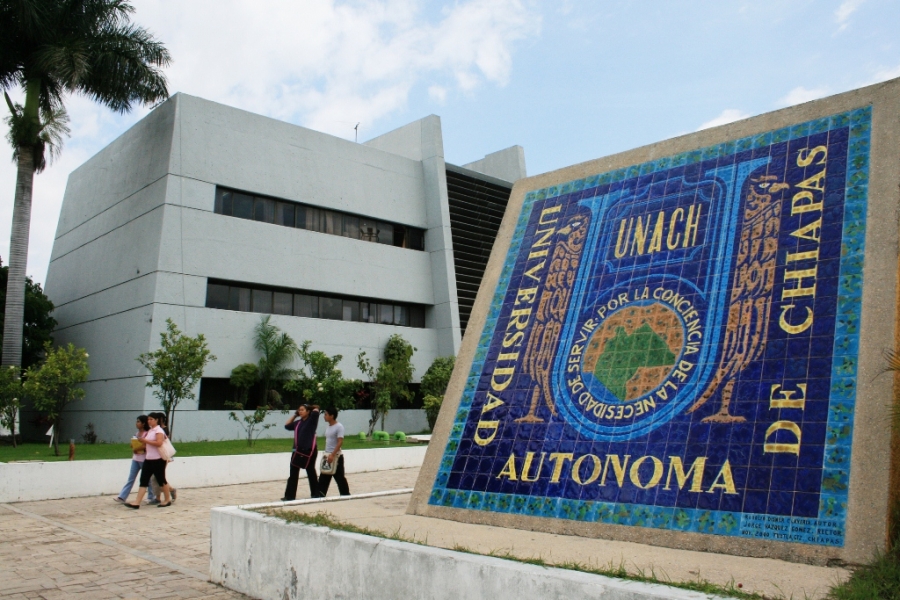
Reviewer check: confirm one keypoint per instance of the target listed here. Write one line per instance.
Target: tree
(390, 381)
(38, 322)
(320, 382)
(10, 393)
(243, 377)
(50, 48)
(54, 384)
(278, 351)
(175, 368)
(436, 378)
(434, 386)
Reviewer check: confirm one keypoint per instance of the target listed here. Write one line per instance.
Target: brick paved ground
(94, 548)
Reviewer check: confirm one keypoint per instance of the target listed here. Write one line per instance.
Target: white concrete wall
(267, 558)
(508, 164)
(27, 482)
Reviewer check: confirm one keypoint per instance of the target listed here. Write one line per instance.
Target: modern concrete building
(211, 216)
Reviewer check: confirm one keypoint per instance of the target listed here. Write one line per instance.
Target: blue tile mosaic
(675, 344)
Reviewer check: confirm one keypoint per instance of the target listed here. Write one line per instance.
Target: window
(262, 301)
(284, 214)
(293, 214)
(332, 308)
(228, 296)
(264, 210)
(243, 206)
(239, 299)
(283, 303)
(306, 306)
(216, 296)
(351, 310)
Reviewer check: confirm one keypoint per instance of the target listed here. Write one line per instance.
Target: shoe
(134, 506)
(174, 494)
(288, 499)
(119, 500)
(163, 505)
(153, 501)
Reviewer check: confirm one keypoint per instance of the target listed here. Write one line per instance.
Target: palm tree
(278, 351)
(50, 48)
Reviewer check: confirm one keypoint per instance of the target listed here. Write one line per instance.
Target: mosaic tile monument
(683, 344)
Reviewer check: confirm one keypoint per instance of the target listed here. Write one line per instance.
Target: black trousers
(151, 468)
(290, 491)
(325, 480)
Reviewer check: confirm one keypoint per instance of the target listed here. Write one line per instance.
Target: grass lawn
(878, 580)
(105, 451)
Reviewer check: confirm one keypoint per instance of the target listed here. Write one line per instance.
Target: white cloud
(438, 93)
(323, 64)
(884, 75)
(800, 94)
(843, 12)
(729, 115)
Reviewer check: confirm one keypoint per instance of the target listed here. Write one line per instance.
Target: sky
(568, 80)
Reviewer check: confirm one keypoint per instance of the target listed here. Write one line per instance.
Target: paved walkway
(94, 548)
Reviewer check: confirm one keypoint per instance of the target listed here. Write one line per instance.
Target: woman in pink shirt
(154, 465)
(137, 462)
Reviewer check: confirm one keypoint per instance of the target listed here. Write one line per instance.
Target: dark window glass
(401, 315)
(385, 233)
(223, 201)
(313, 219)
(351, 227)
(417, 316)
(285, 214)
(283, 304)
(332, 222)
(306, 306)
(386, 314)
(331, 308)
(400, 236)
(301, 217)
(351, 310)
(243, 206)
(368, 313)
(368, 230)
(239, 299)
(216, 296)
(262, 301)
(264, 210)
(415, 238)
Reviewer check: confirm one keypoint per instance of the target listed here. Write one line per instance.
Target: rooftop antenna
(356, 135)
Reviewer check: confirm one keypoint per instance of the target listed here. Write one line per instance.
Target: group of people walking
(147, 461)
(152, 432)
(304, 423)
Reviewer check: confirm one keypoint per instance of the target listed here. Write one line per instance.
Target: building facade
(212, 217)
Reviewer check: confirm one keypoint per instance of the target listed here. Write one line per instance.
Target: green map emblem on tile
(635, 349)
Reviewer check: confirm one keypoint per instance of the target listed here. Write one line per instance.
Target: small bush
(399, 436)
(433, 409)
(89, 436)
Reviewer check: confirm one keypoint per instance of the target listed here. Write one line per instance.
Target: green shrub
(399, 436)
(433, 409)
(381, 436)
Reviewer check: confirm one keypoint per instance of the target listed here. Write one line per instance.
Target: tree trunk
(56, 423)
(18, 260)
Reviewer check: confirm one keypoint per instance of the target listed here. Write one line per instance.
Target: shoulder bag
(167, 450)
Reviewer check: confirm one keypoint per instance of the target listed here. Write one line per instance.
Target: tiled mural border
(828, 528)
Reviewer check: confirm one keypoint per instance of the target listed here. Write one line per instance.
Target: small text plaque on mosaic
(675, 344)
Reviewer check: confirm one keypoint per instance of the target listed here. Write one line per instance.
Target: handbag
(167, 451)
(327, 468)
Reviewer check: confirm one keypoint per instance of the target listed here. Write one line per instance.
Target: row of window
(293, 214)
(244, 298)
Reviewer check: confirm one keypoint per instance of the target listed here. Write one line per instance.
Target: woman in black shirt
(303, 423)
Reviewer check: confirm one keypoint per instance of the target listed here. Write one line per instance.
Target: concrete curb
(271, 559)
(27, 482)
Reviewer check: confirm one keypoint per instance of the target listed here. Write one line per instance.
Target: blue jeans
(132, 475)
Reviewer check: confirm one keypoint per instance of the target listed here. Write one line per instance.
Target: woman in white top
(137, 461)
(154, 465)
